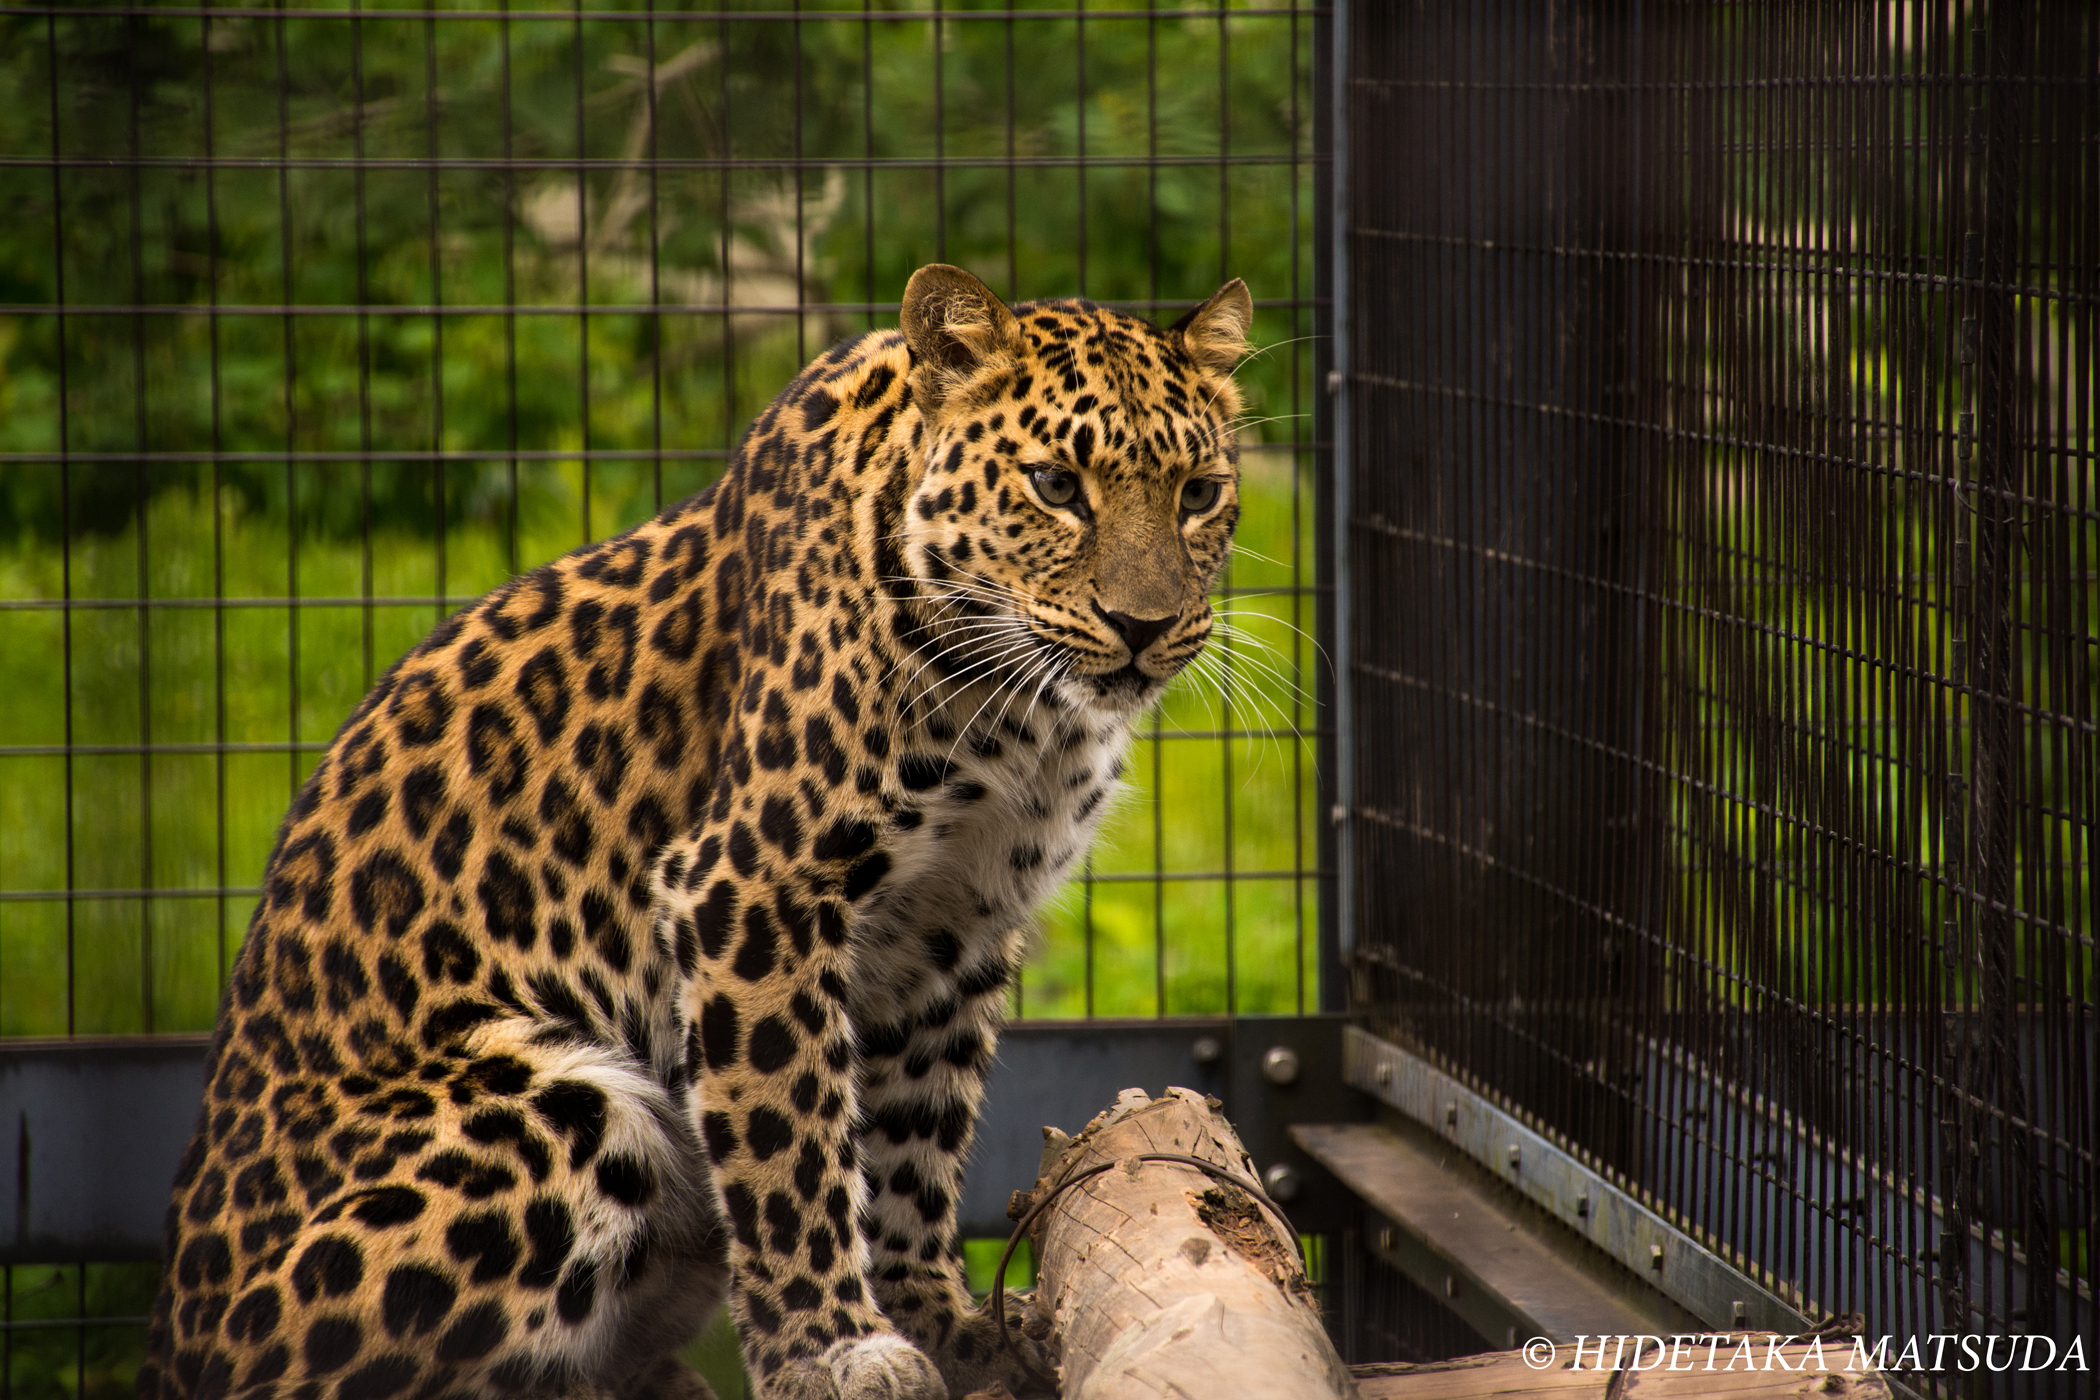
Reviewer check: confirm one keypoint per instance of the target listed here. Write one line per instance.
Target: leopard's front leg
(926, 1040)
(758, 914)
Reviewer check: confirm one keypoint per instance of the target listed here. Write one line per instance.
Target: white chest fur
(984, 832)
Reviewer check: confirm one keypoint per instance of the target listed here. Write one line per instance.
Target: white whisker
(1308, 637)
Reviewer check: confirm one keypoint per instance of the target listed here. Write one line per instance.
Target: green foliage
(44, 1356)
(795, 168)
(323, 198)
(248, 700)
(590, 300)
(981, 1265)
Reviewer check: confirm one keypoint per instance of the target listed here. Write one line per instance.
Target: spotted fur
(641, 939)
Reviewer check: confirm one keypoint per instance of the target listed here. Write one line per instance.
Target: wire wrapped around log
(1042, 1203)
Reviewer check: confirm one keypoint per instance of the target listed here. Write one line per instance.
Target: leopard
(641, 942)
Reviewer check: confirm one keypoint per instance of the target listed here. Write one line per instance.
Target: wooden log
(1490, 1376)
(1158, 1279)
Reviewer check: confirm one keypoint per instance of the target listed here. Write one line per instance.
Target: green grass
(173, 822)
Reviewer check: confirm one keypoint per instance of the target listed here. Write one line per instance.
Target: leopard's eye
(1200, 494)
(1057, 488)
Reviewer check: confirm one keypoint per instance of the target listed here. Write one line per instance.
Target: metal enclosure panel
(1062, 1074)
(98, 1128)
(1720, 512)
(100, 1125)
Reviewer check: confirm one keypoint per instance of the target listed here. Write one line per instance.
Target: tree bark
(1160, 1280)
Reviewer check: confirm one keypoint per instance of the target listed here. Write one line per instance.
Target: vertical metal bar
(1579, 81)
(1854, 308)
(583, 278)
(1473, 426)
(65, 517)
(1763, 687)
(1224, 151)
(1342, 817)
(1086, 895)
(1225, 671)
(1640, 854)
(1297, 372)
(1151, 150)
(291, 398)
(940, 139)
(801, 238)
(656, 314)
(1159, 815)
(723, 216)
(1159, 869)
(510, 289)
(2077, 166)
(364, 344)
(1079, 88)
(140, 497)
(1013, 271)
(1805, 303)
(437, 302)
(867, 151)
(1917, 734)
(218, 511)
(1960, 1145)
(1853, 728)
(1335, 993)
(1907, 627)
(1908, 624)
(1079, 105)
(1939, 740)
(1994, 785)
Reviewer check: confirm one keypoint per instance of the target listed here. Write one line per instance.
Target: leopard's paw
(880, 1367)
(974, 1358)
(666, 1378)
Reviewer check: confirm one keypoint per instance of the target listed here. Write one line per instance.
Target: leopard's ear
(1215, 333)
(953, 324)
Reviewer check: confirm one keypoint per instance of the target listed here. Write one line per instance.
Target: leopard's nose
(1137, 632)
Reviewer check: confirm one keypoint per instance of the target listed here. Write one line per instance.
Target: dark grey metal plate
(97, 1126)
(95, 1129)
(1062, 1073)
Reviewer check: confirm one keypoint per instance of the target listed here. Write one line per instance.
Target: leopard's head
(1075, 499)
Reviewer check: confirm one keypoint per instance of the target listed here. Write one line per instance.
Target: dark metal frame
(1718, 523)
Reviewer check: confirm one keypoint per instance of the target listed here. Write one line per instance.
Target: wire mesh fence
(324, 321)
(318, 322)
(1725, 584)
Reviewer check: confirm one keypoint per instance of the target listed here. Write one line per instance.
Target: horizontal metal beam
(1568, 1191)
(1476, 1248)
